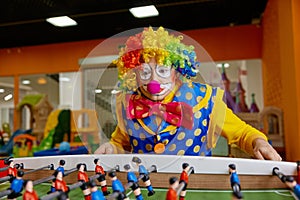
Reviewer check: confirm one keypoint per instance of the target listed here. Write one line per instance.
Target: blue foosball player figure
(16, 186)
(117, 186)
(60, 167)
(134, 183)
(292, 184)
(235, 182)
(95, 193)
(143, 172)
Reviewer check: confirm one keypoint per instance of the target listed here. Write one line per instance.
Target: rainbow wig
(167, 50)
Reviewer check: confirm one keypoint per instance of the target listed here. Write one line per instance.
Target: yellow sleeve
(119, 137)
(238, 132)
(120, 140)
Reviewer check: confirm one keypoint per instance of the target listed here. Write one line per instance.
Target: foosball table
(210, 178)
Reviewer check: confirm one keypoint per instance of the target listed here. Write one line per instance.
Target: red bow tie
(175, 113)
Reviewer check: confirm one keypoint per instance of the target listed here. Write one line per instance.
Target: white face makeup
(150, 73)
(146, 71)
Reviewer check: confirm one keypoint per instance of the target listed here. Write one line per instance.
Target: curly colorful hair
(167, 49)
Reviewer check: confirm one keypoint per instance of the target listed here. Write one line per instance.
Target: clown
(161, 111)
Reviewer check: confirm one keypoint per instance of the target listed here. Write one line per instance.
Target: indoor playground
(182, 100)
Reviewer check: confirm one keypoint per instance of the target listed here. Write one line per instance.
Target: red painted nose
(153, 87)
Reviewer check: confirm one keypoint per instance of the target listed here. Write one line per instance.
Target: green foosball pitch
(160, 193)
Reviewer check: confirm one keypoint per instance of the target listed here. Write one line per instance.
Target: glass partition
(6, 108)
(86, 90)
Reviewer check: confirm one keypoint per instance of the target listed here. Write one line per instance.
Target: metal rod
(5, 193)
(51, 167)
(39, 181)
(4, 169)
(71, 187)
(5, 178)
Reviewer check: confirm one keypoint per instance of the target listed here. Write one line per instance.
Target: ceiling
(22, 22)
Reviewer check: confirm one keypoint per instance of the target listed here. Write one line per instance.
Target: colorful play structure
(52, 132)
(78, 127)
(39, 109)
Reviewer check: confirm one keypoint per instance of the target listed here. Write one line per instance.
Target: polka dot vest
(145, 133)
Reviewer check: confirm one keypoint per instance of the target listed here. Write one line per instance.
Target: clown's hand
(264, 151)
(106, 148)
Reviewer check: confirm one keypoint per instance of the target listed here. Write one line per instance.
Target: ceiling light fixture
(226, 65)
(115, 92)
(61, 21)
(42, 81)
(1, 90)
(144, 11)
(8, 97)
(98, 91)
(64, 79)
(26, 82)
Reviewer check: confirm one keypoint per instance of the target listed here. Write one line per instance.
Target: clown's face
(156, 81)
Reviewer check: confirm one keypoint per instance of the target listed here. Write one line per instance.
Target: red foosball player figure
(172, 193)
(132, 179)
(60, 185)
(30, 193)
(184, 178)
(235, 182)
(95, 193)
(99, 170)
(143, 172)
(83, 177)
(16, 186)
(12, 170)
(61, 169)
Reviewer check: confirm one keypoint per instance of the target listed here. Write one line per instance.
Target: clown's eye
(163, 71)
(145, 72)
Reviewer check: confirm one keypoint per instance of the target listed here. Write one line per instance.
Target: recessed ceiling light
(226, 65)
(144, 11)
(98, 91)
(26, 82)
(115, 92)
(61, 21)
(42, 81)
(64, 79)
(8, 97)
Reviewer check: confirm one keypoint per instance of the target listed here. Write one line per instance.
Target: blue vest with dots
(144, 134)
